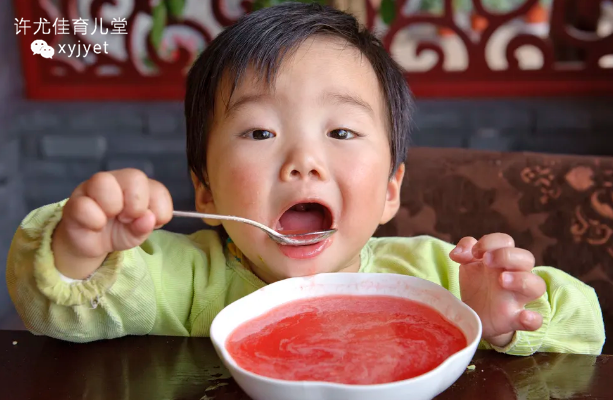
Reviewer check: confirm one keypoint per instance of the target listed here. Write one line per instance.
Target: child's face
(319, 136)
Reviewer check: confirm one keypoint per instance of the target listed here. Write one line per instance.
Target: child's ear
(392, 202)
(204, 200)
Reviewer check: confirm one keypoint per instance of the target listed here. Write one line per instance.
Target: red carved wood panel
(141, 49)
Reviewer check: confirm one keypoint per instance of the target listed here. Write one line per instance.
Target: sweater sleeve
(572, 318)
(144, 290)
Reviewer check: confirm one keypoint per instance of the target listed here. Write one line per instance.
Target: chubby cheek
(364, 190)
(244, 175)
(238, 191)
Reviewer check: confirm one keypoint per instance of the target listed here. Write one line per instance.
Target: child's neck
(265, 276)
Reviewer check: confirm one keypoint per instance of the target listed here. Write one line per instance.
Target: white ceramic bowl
(424, 386)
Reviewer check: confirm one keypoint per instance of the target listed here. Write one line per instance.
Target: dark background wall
(61, 144)
(48, 148)
(12, 205)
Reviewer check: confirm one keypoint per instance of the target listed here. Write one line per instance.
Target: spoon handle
(192, 214)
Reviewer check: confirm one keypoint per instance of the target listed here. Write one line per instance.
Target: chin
(300, 268)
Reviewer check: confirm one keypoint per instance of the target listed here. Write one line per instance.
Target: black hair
(262, 40)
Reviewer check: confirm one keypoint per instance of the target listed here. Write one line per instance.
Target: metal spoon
(300, 239)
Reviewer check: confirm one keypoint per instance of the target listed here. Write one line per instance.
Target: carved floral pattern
(165, 36)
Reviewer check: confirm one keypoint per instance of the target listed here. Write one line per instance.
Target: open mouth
(305, 218)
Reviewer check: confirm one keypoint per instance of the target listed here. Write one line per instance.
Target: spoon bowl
(297, 239)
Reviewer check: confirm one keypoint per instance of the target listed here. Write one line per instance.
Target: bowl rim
(227, 357)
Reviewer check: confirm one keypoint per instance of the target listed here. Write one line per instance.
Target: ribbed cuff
(526, 343)
(51, 284)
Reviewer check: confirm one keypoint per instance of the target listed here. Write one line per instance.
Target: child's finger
(85, 212)
(132, 234)
(529, 321)
(492, 242)
(510, 258)
(462, 253)
(160, 203)
(105, 190)
(142, 226)
(525, 284)
(135, 187)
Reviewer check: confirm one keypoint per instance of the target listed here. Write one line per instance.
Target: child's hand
(496, 282)
(111, 211)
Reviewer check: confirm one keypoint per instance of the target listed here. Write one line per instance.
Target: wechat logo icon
(41, 47)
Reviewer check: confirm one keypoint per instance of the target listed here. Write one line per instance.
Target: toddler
(299, 119)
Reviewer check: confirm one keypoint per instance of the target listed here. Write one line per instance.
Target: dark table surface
(153, 368)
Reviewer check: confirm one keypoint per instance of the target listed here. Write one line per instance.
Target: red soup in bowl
(348, 339)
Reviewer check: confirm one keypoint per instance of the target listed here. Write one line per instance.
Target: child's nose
(303, 164)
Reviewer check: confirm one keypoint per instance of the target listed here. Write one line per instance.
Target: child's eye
(260, 134)
(341, 134)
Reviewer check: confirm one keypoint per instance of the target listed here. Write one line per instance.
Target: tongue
(301, 221)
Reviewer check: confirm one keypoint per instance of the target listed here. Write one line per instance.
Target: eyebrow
(352, 100)
(242, 101)
(337, 98)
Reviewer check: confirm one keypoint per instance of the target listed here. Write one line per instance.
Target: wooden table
(153, 368)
